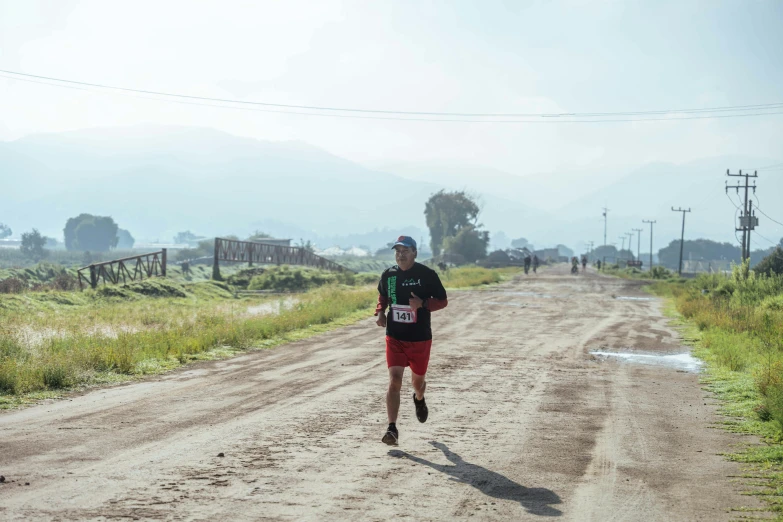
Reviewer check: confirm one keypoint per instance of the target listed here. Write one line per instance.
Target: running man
(411, 291)
(535, 263)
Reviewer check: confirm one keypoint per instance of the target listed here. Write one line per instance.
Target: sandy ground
(524, 423)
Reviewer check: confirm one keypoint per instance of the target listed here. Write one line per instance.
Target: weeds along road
(523, 424)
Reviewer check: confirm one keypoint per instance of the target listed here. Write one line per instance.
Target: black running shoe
(391, 436)
(421, 409)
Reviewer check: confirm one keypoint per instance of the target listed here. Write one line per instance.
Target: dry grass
(63, 346)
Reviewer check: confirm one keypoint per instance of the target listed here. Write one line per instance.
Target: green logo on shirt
(393, 289)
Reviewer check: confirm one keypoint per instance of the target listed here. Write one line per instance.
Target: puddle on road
(629, 298)
(681, 361)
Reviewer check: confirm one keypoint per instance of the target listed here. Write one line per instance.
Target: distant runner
(527, 263)
(412, 291)
(535, 263)
(584, 263)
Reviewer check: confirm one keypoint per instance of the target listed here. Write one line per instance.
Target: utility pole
(630, 238)
(682, 237)
(638, 243)
(590, 250)
(606, 211)
(747, 221)
(651, 237)
(751, 222)
(623, 247)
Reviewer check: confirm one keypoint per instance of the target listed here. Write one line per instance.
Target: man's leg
(419, 385)
(393, 393)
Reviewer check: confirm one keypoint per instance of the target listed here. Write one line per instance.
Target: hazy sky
(482, 56)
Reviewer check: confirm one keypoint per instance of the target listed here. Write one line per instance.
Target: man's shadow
(535, 500)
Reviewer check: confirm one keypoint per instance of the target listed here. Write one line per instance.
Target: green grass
(53, 341)
(657, 273)
(737, 329)
(475, 276)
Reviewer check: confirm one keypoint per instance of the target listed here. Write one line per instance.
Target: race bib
(403, 314)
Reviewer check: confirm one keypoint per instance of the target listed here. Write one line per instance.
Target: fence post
(93, 277)
(163, 261)
(250, 254)
(215, 267)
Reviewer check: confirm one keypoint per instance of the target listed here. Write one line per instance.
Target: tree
(447, 213)
(772, 264)
(607, 252)
(186, 237)
(521, 243)
(5, 231)
(258, 234)
(307, 245)
(33, 245)
(124, 239)
(88, 232)
(469, 242)
(564, 251)
(698, 250)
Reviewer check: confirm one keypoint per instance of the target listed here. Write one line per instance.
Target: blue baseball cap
(406, 241)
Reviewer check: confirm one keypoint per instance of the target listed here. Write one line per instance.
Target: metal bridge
(266, 254)
(151, 265)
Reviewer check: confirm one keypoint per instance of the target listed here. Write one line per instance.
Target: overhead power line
(764, 238)
(767, 216)
(384, 114)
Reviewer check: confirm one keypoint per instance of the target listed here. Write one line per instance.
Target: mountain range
(158, 180)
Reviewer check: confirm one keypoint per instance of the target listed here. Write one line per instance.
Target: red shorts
(415, 354)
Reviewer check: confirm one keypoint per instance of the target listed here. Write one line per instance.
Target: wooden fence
(152, 264)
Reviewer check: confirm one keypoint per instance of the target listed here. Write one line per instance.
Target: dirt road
(524, 423)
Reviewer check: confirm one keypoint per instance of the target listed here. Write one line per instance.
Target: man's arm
(439, 300)
(433, 304)
(383, 302)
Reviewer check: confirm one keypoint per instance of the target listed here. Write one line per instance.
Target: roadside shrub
(287, 279)
(113, 291)
(773, 402)
(772, 264)
(773, 303)
(65, 281)
(56, 376)
(659, 272)
(367, 279)
(243, 277)
(157, 288)
(769, 375)
(12, 285)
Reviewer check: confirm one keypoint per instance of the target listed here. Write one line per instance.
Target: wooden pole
(215, 267)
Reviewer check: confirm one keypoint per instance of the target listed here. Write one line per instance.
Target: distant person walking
(527, 263)
(535, 263)
(584, 263)
(412, 292)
